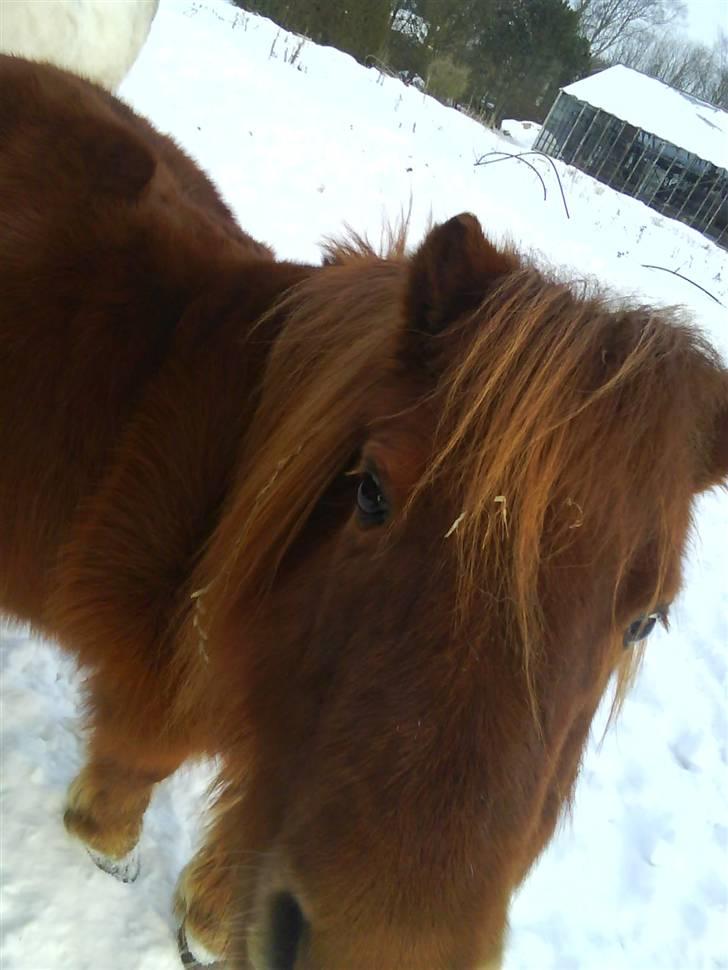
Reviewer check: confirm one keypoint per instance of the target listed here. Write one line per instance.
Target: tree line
(508, 58)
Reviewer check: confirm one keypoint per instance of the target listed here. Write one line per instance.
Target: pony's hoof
(194, 955)
(125, 869)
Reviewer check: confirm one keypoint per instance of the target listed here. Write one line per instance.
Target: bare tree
(683, 64)
(717, 79)
(607, 23)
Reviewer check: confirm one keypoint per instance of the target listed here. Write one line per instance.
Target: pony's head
(462, 506)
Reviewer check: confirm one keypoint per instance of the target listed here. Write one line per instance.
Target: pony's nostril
(287, 924)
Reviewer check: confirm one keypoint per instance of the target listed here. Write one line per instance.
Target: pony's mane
(341, 336)
(353, 245)
(558, 414)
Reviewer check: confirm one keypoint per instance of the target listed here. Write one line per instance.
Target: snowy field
(301, 140)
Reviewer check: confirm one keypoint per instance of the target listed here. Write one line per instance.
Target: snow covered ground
(523, 134)
(302, 139)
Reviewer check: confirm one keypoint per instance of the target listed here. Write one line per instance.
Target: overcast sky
(705, 17)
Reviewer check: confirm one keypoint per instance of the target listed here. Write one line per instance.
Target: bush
(359, 27)
(446, 79)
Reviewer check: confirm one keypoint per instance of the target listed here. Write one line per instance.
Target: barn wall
(670, 179)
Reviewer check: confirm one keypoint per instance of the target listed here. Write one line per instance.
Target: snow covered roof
(651, 105)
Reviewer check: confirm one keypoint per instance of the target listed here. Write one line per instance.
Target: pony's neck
(256, 287)
(238, 299)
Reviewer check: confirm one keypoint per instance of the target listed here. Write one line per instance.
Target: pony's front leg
(106, 802)
(205, 891)
(105, 807)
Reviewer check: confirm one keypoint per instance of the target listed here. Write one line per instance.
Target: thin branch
(503, 157)
(521, 158)
(687, 279)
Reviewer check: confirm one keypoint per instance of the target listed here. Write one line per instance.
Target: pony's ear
(452, 273)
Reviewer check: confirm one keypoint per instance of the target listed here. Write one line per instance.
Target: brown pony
(376, 533)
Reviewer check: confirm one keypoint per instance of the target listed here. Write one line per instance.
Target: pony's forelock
(533, 436)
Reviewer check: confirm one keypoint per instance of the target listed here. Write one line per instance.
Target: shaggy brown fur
(400, 708)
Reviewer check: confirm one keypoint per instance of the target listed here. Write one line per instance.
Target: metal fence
(671, 180)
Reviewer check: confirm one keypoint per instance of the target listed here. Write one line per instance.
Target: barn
(647, 140)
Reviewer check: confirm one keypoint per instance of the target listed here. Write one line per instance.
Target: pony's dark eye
(371, 502)
(642, 627)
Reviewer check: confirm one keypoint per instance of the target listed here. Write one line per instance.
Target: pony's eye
(371, 502)
(642, 627)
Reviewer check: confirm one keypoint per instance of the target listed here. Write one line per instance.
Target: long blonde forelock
(528, 438)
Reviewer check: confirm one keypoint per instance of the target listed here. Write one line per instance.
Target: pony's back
(107, 233)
